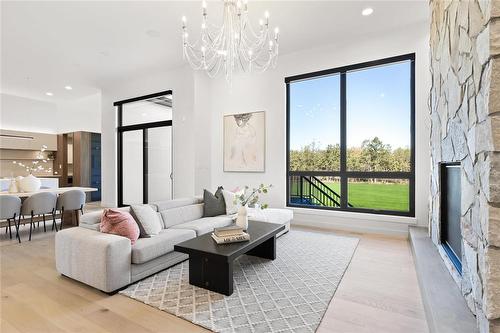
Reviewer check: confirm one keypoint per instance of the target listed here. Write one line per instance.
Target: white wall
(181, 82)
(83, 114)
(267, 92)
(203, 130)
(31, 115)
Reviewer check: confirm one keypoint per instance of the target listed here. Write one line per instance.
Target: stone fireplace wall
(464, 106)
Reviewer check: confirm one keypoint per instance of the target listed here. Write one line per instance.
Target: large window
(351, 138)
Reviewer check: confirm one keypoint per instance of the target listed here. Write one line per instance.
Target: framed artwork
(245, 142)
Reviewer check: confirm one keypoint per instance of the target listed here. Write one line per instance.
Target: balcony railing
(308, 189)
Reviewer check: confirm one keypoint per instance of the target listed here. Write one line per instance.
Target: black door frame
(343, 173)
(144, 127)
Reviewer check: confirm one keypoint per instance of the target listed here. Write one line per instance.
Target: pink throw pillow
(119, 223)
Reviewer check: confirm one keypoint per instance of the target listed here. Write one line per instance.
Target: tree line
(373, 155)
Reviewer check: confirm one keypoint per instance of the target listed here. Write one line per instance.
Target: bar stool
(72, 200)
(10, 207)
(40, 204)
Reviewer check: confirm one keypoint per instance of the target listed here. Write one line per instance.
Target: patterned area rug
(288, 294)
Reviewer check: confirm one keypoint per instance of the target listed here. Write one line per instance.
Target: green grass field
(376, 195)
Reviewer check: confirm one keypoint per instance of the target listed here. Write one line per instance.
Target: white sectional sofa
(109, 262)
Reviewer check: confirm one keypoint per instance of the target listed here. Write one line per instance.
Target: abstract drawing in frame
(245, 142)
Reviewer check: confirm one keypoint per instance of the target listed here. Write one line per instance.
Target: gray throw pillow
(147, 219)
(214, 203)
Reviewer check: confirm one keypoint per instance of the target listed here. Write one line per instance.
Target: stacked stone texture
(464, 106)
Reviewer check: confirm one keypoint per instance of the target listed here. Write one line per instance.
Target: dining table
(74, 217)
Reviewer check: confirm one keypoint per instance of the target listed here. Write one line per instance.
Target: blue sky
(378, 104)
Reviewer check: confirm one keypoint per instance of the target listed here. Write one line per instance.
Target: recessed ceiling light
(48, 93)
(68, 88)
(367, 11)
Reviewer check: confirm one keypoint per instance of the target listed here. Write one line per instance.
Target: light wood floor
(379, 293)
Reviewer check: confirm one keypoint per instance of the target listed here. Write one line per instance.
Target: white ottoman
(272, 215)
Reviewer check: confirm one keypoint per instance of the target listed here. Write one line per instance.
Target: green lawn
(376, 195)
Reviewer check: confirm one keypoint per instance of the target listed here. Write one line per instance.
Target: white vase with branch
(249, 198)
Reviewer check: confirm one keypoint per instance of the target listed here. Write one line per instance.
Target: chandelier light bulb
(203, 25)
(184, 19)
(266, 14)
(186, 35)
(204, 4)
(261, 22)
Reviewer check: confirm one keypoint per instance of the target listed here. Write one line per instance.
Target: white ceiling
(47, 45)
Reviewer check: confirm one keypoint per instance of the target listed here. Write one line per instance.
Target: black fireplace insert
(451, 233)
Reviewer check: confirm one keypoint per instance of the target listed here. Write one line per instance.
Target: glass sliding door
(132, 171)
(145, 149)
(159, 150)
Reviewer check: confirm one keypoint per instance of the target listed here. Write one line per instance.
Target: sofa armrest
(91, 218)
(94, 258)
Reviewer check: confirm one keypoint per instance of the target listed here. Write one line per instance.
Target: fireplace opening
(451, 233)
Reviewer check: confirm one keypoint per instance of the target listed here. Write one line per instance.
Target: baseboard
(350, 224)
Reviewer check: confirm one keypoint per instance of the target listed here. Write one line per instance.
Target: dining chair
(10, 207)
(40, 204)
(72, 200)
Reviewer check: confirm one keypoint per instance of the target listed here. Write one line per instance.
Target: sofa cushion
(214, 203)
(147, 219)
(179, 215)
(229, 199)
(205, 224)
(146, 249)
(119, 223)
(175, 203)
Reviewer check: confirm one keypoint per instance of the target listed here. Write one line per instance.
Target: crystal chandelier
(233, 46)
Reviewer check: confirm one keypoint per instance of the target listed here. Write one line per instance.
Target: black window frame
(144, 127)
(344, 174)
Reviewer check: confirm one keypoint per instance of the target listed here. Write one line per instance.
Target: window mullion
(343, 141)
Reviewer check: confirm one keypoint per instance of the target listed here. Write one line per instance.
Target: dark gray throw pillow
(214, 203)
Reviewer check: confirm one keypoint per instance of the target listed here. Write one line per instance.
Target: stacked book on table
(231, 234)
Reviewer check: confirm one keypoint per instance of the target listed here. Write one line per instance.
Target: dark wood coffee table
(211, 264)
